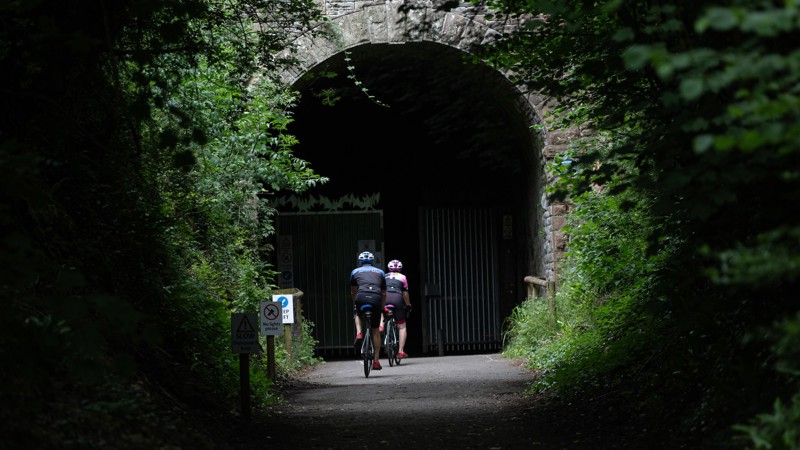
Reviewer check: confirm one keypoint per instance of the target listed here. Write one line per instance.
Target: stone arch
(351, 24)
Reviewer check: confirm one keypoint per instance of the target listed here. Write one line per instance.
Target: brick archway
(352, 24)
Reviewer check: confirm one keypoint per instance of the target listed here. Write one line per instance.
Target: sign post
(287, 307)
(244, 340)
(271, 318)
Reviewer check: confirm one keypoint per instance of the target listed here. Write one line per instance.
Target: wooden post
(551, 300)
(297, 329)
(244, 384)
(532, 281)
(271, 357)
(287, 339)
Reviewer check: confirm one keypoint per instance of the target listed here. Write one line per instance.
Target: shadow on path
(474, 401)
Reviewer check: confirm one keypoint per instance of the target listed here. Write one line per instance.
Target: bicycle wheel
(395, 344)
(367, 359)
(367, 349)
(391, 341)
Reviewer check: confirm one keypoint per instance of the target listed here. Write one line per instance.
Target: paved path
(474, 401)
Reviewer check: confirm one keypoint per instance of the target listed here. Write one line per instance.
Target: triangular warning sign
(245, 326)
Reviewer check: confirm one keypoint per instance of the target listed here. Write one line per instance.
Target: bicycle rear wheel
(395, 344)
(367, 361)
(367, 349)
(391, 343)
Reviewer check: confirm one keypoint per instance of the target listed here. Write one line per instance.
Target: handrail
(549, 288)
(533, 281)
(536, 280)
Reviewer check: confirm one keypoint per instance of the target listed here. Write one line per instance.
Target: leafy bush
(605, 285)
(133, 223)
(780, 428)
(695, 106)
(530, 325)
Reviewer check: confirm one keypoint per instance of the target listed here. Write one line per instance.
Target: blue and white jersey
(368, 279)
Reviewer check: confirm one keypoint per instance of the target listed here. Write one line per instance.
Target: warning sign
(271, 318)
(244, 336)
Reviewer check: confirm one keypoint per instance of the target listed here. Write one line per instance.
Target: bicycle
(367, 347)
(391, 341)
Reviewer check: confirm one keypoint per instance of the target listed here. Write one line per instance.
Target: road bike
(391, 341)
(367, 347)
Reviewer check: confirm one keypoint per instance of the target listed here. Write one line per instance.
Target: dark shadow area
(448, 133)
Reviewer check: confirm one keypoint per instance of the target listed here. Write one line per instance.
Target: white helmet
(365, 257)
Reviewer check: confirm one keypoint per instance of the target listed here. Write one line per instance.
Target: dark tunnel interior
(447, 135)
(431, 129)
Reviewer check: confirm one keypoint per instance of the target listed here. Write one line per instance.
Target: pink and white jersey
(396, 284)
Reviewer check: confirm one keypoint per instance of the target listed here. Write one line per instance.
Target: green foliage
(291, 358)
(776, 430)
(529, 326)
(139, 141)
(605, 281)
(705, 108)
(218, 201)
(695, 110)
(780, 429)
(351, 74)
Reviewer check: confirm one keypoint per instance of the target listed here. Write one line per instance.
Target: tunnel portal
(435, 139)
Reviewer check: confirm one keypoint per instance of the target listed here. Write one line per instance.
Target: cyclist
(397, 295)
(368, 286)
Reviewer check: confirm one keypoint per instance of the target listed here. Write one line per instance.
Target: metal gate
(316, 253)
(459, 252)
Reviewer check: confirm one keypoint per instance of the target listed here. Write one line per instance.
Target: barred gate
(316, 253)
(459, 257)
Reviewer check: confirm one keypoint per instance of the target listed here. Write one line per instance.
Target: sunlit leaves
(720, 19)
(636, 56)
(767, 23)
(691, 88)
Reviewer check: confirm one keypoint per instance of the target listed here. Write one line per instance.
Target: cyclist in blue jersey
(368, 286)
(397, 295)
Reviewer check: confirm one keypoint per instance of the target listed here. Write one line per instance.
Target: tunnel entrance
(423, 130)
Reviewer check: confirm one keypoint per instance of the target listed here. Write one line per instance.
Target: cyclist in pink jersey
(397, 295)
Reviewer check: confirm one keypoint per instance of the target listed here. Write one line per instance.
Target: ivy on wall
(308, 203)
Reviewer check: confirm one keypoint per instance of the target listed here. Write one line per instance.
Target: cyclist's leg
(376, 341)
(365, 347)
(401, 330)
(359, 340)
(395, 301)
(357, 320)
(400, 319)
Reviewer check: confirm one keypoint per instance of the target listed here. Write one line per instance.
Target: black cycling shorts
(367, 298)
(396, 300)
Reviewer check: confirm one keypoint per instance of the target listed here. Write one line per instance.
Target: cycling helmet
(365, 257)
(395, 266)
